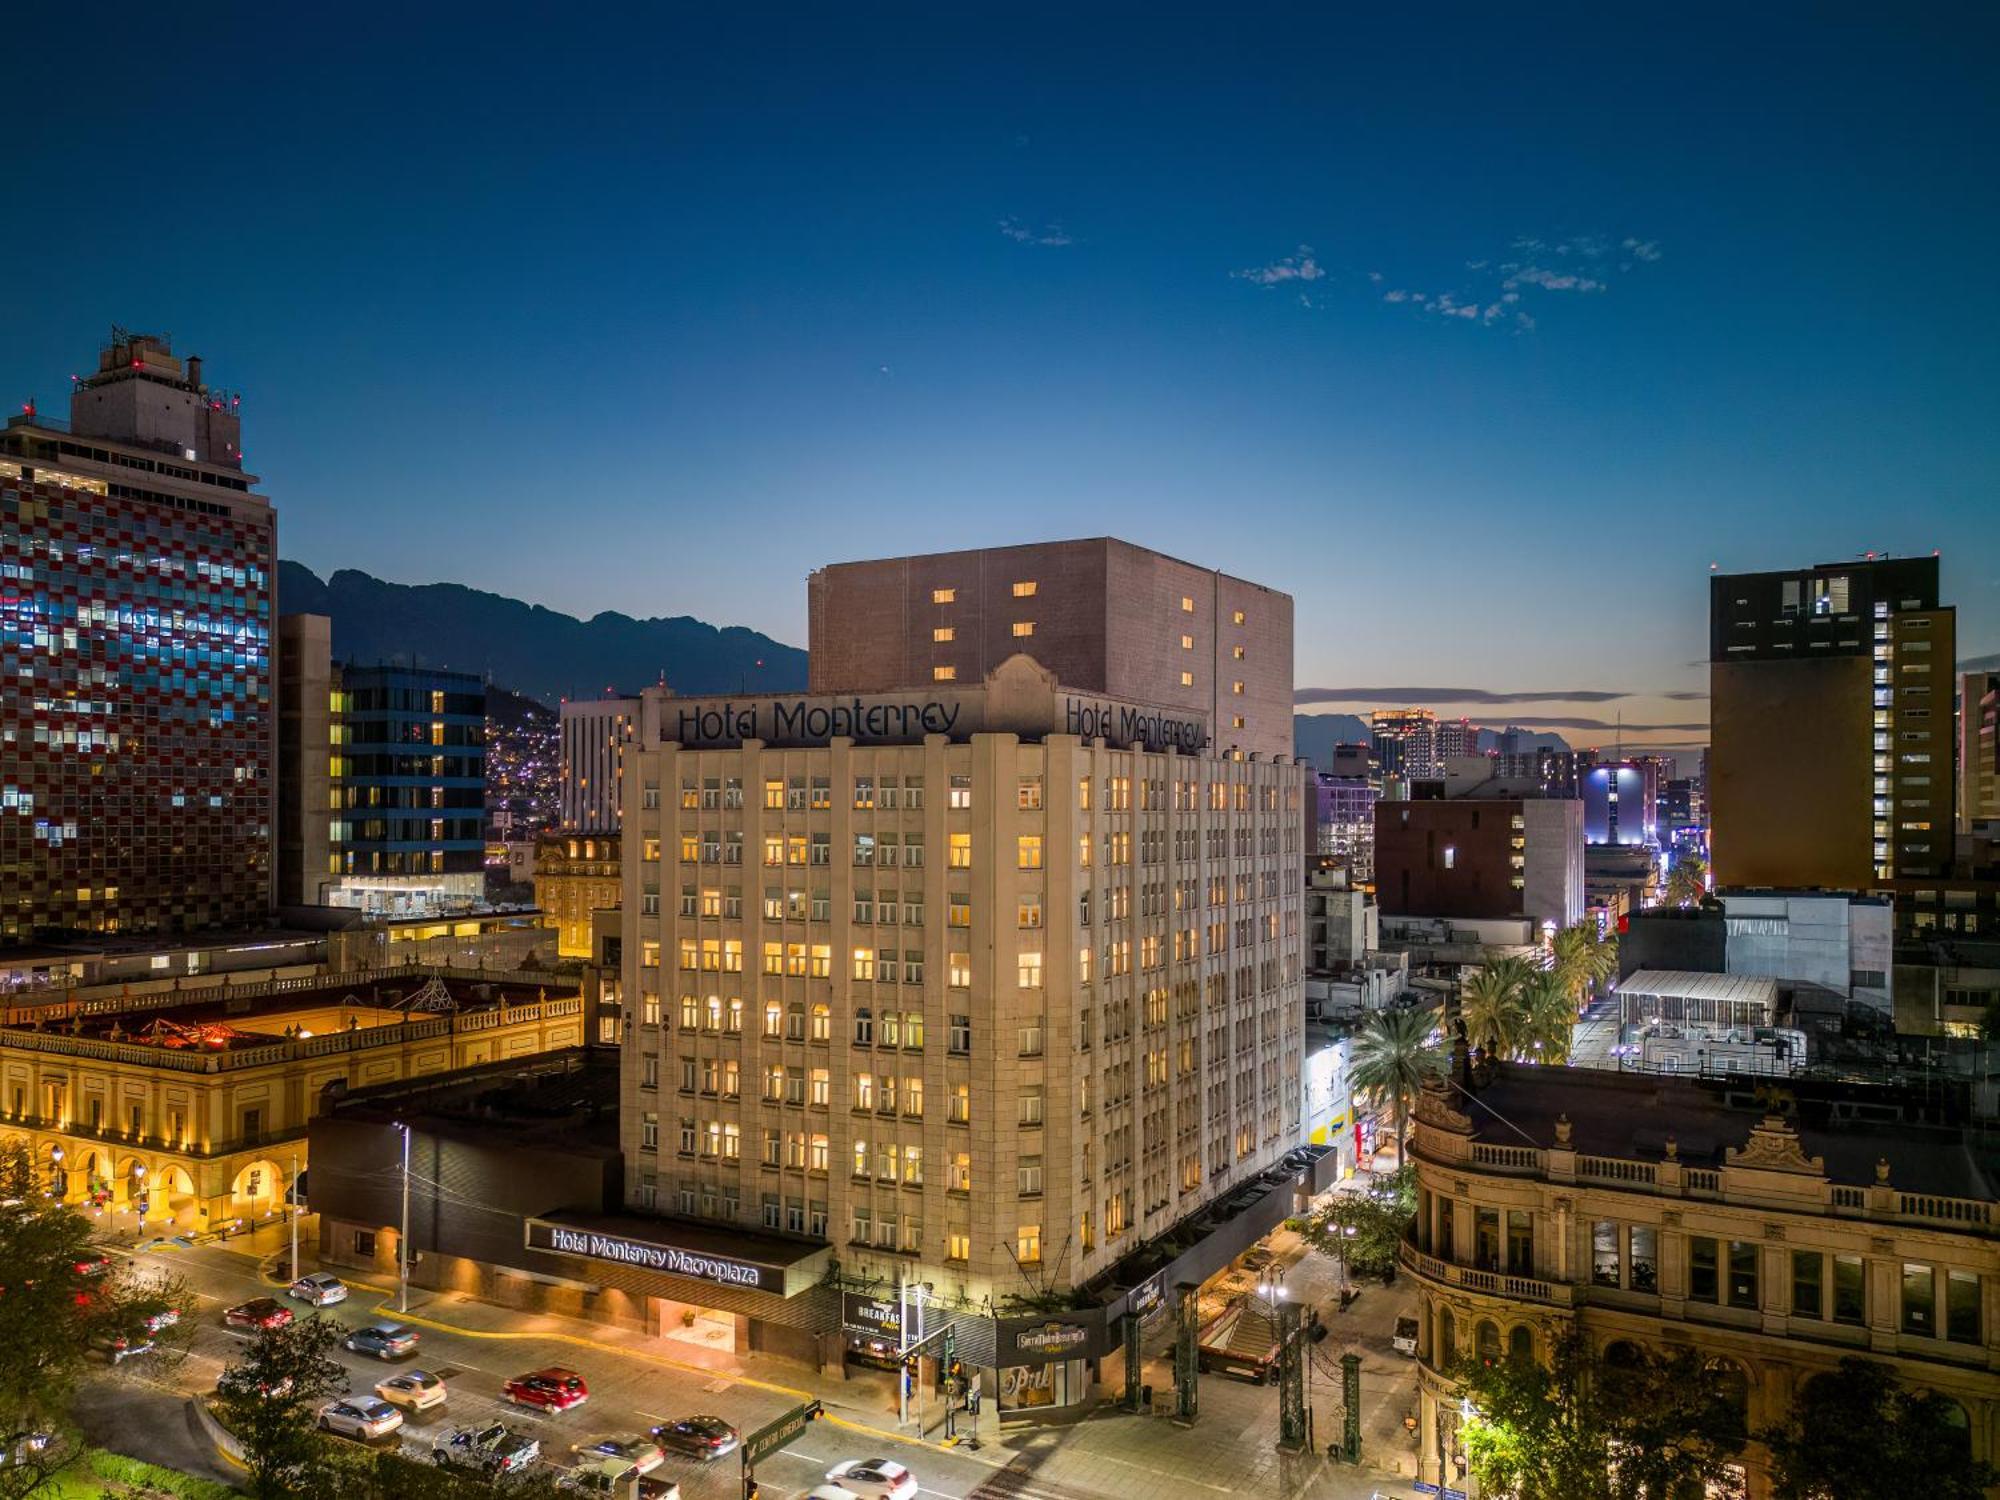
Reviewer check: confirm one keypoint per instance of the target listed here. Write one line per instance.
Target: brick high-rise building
(1831, 695)
(1103, 615)
(137, 736)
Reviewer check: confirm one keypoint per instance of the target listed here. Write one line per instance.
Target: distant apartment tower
(1405, 742)
(1455, 739)
(305, 759)
(137, 732)
(1979, 744)
(1831, 693)
(408, 788)
(1344, 821)
(595, 732)
(1103, 615)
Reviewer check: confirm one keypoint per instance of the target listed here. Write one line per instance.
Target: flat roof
(1629, 1116)
(697, 1235)
(1692, 984)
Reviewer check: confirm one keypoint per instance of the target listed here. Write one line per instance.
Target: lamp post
(294, 1196)
(403, 1239)
(139, 1202)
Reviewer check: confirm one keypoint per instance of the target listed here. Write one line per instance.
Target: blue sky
(656, 314)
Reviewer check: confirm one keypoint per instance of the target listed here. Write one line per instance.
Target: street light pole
(403, 1239)
(295, 1216)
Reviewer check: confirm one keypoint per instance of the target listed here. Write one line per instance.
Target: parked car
(95, 1265)
(493, 1449)
(830, 1492)
(636, 1449)
(413, 1390)
(553, 1389)
(320, 1288)
(282, 1388)
(119, 1347)
(698, 1437)
(361, 1417)
(258, 1313)
(874, 1479)
(1405, 1339)
(383, 1340)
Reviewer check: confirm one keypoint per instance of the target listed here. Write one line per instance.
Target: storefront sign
(1050, 1338)
(671, 1260)
(871, 1315)
(1147, 1295)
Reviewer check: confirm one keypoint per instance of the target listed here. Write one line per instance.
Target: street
(637, 1383)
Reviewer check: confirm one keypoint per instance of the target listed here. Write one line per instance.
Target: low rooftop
(1631, 1117)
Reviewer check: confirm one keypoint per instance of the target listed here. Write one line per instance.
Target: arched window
(1521, 1342)
(1732, 1385)
(1486, 1342)
(1447, 1339)
(1956, 1419)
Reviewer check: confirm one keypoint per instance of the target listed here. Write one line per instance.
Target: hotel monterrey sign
(1009, 704)
(670, 1260)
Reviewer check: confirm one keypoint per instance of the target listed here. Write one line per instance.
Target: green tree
(61, 1305)
(1584, 959)
(1859, 1434)
(1576, 1429)
(1361, 1230)
(1390, 1058)
(1489, 1003)
(270, 1399)
(1548, 1014)
(1687, 881)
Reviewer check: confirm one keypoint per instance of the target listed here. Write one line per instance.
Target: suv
(490, 1450)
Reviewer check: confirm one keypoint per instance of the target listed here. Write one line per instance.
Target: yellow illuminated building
(575, 875)
(191, 1111)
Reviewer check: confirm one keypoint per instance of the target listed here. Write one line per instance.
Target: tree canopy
(1860, 1434)
(1391, 1057)
(1576, 1428)
(1362, 1229)
(63, 1305)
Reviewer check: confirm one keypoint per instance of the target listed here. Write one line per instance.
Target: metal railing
(1492, 1283)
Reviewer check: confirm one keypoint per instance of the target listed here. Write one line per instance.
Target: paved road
(1230, 1451)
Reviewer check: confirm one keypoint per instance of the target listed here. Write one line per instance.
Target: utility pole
(403, 1239)
(295, 1216)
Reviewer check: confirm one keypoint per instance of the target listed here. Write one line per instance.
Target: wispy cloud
(1299, 266)
(1022, 234)
(1556, 721)
(1492, 290)
(1430, 695)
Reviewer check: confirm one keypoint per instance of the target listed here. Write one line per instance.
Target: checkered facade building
(136, 707)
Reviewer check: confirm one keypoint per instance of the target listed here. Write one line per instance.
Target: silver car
(320, 1288)
(416, 1390)
(363, 1417)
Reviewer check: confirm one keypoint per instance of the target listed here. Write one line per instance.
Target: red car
(258, 1312)
(553, 1389)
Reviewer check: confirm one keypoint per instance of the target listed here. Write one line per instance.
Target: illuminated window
(1187, 679)
(1236, 722)
(1237, 652)
(1187, 605)
(944, 674)
(942, 633)
(1187, 643)
(1024, 591)
(1238, 617)
(943, 596)
(1028, 1244)
(1024, 627)
(1236, 688)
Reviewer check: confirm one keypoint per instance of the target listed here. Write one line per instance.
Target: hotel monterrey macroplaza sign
(674, 1260)
(1019, 698)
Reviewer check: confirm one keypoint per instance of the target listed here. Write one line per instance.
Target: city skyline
(1490, 296)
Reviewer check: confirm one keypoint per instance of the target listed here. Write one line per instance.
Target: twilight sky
(1481, 331)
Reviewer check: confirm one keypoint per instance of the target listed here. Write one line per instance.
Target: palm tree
(1392, 1055)
(1687, 881)
(1549, 1014)
(1583, 958)
(1489, 1002)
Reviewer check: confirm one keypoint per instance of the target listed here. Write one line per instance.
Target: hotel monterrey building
(961, 986)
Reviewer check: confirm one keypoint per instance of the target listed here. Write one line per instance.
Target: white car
(874, 1479)
(320, 1288)
(361, 1417)
(413, 1390)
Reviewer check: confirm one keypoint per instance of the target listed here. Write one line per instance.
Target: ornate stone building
(1656, 1213)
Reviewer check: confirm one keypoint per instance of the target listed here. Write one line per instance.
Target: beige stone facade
(985, 1008)
(575, 875)
(1664, 1214)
